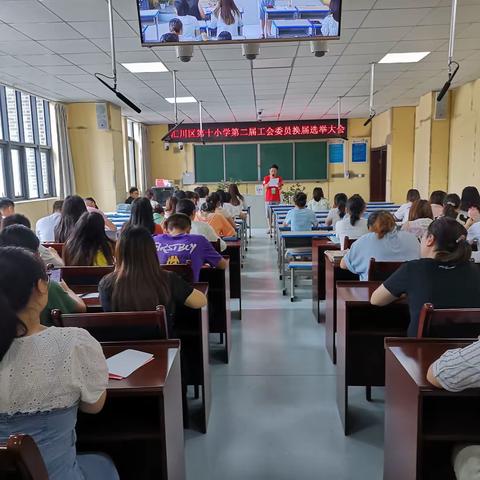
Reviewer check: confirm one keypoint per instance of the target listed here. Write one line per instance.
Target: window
(26, 170)
(132, 161)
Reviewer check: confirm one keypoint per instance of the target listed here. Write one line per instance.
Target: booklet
(273, 182)
(125, 363)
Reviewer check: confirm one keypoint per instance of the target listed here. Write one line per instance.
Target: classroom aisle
(273, 413)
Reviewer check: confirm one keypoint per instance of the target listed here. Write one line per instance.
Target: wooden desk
(319, 247)
(423, 423)
(234, 252)
(93, 303)
(219, 314)
(141, 425)
(361, 329)
(191, 327)
(333, 273)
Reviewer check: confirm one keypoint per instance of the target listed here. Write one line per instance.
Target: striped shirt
(459, 369)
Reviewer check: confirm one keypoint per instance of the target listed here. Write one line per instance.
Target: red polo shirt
(272, 194)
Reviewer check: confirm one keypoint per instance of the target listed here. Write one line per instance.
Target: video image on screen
(202, 21)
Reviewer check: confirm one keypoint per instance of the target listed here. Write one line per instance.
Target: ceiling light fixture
(181, 100)
(146, 67)
(406, 57)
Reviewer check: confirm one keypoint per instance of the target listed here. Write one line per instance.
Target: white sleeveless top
(55, 368)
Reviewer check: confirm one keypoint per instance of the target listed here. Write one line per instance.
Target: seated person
(89, 246)
(45, 227)
(133, 193)
(384, 243)
(420, 217)
(139, 284)
(142, 216)
(330, 24)
(220, 197)
(352, 225)
(338, 211)
(47, 374)
(187, 207)
(190, 25)
(73, 208)
(158, 215)
(7, 207)
(226, 17)
(92, 206)
(150, 194)
(193, 196)
(300, 218)
(48, 255)
(318, 203)
(472, 225)
(437, 199)
(169, 38)
(237, 201)
(178, 246)
(217, 221)
(444, 275)
(402, 213)
(451, 206)
(457, 370)
(170, 206)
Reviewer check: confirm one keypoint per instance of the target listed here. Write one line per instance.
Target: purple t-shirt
(175, 250)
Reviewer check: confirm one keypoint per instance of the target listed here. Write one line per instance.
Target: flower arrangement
(293, 189)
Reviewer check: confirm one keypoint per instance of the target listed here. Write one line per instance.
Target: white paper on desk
(125, 363)
(273, 182)
(90, 295)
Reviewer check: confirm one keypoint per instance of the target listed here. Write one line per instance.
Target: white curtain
(144, 156)
(65, 161)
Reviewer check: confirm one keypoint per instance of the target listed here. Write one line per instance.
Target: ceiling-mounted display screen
(237, 21)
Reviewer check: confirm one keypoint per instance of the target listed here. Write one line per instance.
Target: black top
(441, 284)
(180, 290)
(129, 200)
(193, 9)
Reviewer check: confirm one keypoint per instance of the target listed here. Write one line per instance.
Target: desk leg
(342, 367)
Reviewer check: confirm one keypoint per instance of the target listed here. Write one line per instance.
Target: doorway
(378, 174)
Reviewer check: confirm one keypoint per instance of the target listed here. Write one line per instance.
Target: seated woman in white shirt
(352, 225)
(384, 243)
(402, 213)
(437, 199)
(338, 211)
(237, 201)
(226, 18)
(190, 25)
(420, 217)
(473, 224)
(451, 206)
(46, 374)
(318, 202)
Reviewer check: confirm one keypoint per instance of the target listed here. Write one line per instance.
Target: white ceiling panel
(26, 11)
(48, 31)
(100, 29)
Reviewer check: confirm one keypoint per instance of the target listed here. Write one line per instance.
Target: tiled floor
(273, 413)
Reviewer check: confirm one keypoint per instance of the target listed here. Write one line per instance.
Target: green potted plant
(293, 189)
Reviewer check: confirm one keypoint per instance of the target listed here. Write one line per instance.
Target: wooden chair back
(57, 246)
(118, 326)
(183, 270)
(84, 276)
(380, 271)
(20, 459)
(449, 322)
(348, 242)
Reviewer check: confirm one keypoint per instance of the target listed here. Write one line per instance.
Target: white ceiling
(52, 48)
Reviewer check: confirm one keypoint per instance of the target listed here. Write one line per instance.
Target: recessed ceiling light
(406, 57)
(181, 100)
(145, 67)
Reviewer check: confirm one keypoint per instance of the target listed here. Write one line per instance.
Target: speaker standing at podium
(272, 185)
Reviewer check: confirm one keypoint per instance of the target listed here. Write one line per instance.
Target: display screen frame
(268, 40)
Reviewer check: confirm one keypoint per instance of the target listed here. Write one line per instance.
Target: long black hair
(87, 240)
(451, 204)
(211, 203)
(20, 271)
(73, 208)
(451, 244)
(355, 206)
(142, 214)
(340, 202)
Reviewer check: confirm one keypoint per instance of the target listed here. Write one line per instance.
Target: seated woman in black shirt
(444, 276)
(140, 284)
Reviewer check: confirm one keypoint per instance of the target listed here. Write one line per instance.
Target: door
(378, 174)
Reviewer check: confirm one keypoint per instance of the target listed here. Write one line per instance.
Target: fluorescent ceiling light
(145, 67)
(406, 57)
(181, 100)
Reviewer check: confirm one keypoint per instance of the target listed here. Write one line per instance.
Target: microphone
(448, 83)
(119, 95)
(370, 118)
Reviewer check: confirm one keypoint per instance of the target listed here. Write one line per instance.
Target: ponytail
(211, 203)
(355, 207)
(451, 244)
(450, 211)
(340, 201)
(451, 204)
(20, 271)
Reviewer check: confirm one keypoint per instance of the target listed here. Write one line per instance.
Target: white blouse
(322, 204)
(55, 368)
(344, 228)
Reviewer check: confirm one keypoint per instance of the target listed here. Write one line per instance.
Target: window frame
(8, 146)
(131, 152)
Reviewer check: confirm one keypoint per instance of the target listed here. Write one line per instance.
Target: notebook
(125, 363)
(90, 295)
